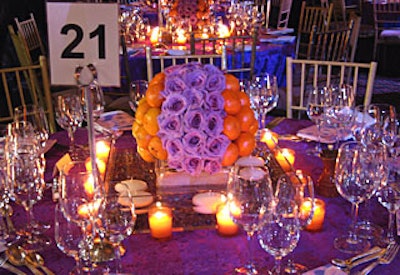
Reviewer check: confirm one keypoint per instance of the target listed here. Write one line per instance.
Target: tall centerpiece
(195, 118)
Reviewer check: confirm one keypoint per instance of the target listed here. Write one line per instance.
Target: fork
(386, 258)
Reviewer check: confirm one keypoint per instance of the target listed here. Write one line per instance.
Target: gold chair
(311, 16)
(284, 14)
(386, 23)
(24, 85)
(160, 62)
(324, 73)
(239, 62)
(29, 35)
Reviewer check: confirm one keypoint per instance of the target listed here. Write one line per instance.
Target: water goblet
(249, 196)
(137, 92)
(358, 173)
(69, 116)
(67, 236)
(264, 96)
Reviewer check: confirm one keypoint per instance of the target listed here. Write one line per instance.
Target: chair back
(386, 23)
(242, 51)
(158, 63)
(311, 16)
(24, 85)
(331, 45)
(284, 14)
(324, 73)
(30, 38)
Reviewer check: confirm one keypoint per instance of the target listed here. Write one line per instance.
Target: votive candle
(269, 138)
(225, 225)
(102, 150)
(285, 157)
(319, 213)
(160, 221)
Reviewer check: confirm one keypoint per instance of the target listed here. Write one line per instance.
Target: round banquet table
(203, 251)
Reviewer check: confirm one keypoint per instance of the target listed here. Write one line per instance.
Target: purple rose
(215, 83)
(174, 104)
(170, 125)
(196, 79)
(176, 163)
(214, 124)
(212, 69)
(193, 119)
(214, 101)
(195, 98)
(174, 147)
(174, 84)
(216, 146)
(193, 142)
(212, 166)
(193, 165)
(189, 67)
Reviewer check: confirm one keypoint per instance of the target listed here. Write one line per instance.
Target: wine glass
(280, 233)
(137, 92)
(97, 98)
(67, 236)
(316, 102)
(358, 172)
(264, 96)
(118, 221)
(69, 116)
(81, 198)
(249, 196)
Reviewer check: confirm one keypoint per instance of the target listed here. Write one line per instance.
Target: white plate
(177, 52)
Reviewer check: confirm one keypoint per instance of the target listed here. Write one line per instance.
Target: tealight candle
(319, 213)
(87, 209)
(160, 221)
(285, 158)
(155, 35)
(101, 165)
(180, 36)
(102, 150)
(225, 225)
(269, 138)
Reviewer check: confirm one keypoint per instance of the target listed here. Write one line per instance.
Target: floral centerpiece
(189, 11)
(196, 118)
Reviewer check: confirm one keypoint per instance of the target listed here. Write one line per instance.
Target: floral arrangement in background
(190, 12)
(196, 118)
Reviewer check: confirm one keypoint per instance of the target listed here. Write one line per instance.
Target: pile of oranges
(239, 126)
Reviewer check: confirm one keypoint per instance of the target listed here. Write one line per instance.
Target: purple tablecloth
(204, 251)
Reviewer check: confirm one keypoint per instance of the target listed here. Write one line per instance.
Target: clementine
(246, 118)
(231, 102)
(231, 155)
(253, 127)
(150, 122)
(153, 94)
(145, 154)
(142, 108)
(246, 143)
(232, 83)
(231, 127)
(156, 149)
(244, 99)
(142, 137)
(158, 78)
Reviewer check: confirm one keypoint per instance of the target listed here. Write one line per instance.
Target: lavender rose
(193, 120)
(195, 98)
(176, 163)
(196, 79)
(174, 84)
(216, 146)
(212, 166)
(193, 142)
(214, 101)
(193, 165)
(174, 147)
(214, 124)
(215, 83)
(170, 125)
(174, 104)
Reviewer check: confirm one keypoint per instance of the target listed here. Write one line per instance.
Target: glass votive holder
(285, 158)
(318, 215)
(160, 221)
(225, 224)
(269, 138)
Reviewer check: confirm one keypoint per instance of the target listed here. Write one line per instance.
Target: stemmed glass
(264, 96)
(137, 92)
(359, 170)
(67, 236)
(249, 196)
(280, 233)
(316, 102)
(97, 98)
(81, 199)
(69, 115)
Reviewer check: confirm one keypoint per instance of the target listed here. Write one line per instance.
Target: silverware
(367, 256)
(386, 258)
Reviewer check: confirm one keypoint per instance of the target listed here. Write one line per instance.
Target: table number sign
(80, 34)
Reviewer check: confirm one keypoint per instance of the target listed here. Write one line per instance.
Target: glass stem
(30, 222)
(250, 248)
(318, 145)
(391, 226)
(277, 267)
(352, 231)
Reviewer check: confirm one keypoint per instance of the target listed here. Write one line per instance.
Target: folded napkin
(327, 134)
(325, 270)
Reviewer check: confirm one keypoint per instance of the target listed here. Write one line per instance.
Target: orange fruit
(145, 154)
(253, 127)
(142, 137)
(246, 143)
(244, 99)
(158, 78)
(135, 128)
(232, 83)
(231, 127)
(153, 94)
(231, 102)
(246, 118)
(156, 149)
(142, 108)
(150, 122)
(231, 155)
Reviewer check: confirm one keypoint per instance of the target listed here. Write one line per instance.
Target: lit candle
(89, 209)
(160, 221)
(180, 36)
(155, 35)
(101, 165)
(223, 31)
(225, 225)
(319, 213)
(102, 150)
(269, 138)
(285, 158)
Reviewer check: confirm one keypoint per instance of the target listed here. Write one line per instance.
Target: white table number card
(80, 34)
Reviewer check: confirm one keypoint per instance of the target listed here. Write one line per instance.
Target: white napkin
(325, 270)
(327, 134)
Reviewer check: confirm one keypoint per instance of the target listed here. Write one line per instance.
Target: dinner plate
(177, 52)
